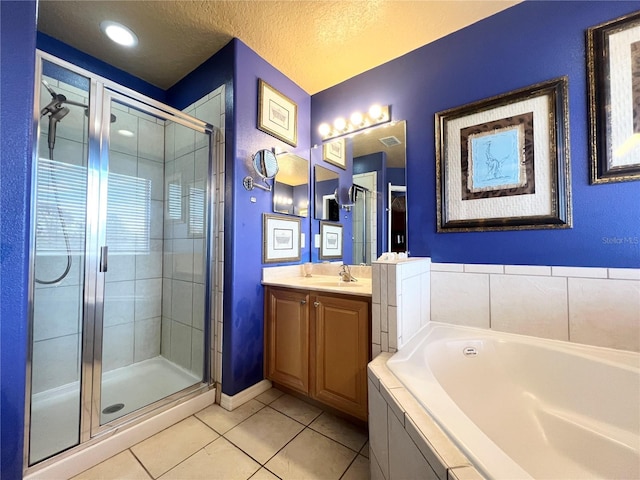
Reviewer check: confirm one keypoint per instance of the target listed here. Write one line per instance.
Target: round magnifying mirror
(265, 164)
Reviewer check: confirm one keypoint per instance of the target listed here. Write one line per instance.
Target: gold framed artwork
(280, 238)
(277, 114)
(503, 163)
(334, 152)
(613, 68)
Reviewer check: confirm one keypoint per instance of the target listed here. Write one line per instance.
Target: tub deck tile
(394, 404)
(464, 473)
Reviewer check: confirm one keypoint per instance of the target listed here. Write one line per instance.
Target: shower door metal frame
(101, 91)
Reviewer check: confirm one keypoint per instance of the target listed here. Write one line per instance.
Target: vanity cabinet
(318, 344)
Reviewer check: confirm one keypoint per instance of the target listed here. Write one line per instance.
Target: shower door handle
(104, 255)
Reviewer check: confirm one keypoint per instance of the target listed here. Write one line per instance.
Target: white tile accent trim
(625, 273)
(582, 272)
(479, 268)
(447, 267)
(231, 402)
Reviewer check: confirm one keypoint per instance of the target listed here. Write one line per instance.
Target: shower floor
(55, 413)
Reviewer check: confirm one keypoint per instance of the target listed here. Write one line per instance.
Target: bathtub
(523, 407)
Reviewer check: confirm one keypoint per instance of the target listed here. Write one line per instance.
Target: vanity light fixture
(119, 33)
(376, 115)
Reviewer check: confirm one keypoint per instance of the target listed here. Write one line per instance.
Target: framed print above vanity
(503, 163)
(331, 241)
(277, 114)
(334, 152)
(613, 67)
(280, 238)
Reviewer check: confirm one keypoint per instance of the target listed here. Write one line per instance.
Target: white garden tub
(523, 407)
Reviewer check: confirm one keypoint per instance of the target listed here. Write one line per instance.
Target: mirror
(265, 164)
(379, 192)
(325, 185)
(291, 186)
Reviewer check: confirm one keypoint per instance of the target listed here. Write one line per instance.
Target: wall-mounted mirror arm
(265, 165)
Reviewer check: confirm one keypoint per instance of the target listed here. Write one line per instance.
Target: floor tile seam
(141, 463)
(338, 441)
(283, 447)
(137, 460)
(188, 457)
(208, 426)
(349, 466)
(296, 420)
(237, 424)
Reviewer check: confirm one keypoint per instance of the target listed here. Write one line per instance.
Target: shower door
(120, 272)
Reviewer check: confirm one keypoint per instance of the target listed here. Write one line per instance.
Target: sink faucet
(345, 274)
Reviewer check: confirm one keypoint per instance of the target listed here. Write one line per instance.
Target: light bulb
(340, 124)
(375, 112)
(356, 119)
(324, 129)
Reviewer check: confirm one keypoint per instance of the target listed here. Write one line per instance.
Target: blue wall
(523, 45)
(243, 316)
(17, 61)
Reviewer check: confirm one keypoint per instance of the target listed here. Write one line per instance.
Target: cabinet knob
(303, 302)
(316, 304)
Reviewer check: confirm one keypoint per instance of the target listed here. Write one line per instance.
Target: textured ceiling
(317, 44)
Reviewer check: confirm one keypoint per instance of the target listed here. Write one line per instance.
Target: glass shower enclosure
(120, 249)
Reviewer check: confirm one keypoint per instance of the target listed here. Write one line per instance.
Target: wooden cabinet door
(341, 337)
(287, 338)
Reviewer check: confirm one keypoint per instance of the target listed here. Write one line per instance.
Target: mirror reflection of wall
(379, 160)
(291, 186)
(325, 185)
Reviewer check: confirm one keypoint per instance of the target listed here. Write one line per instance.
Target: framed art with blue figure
(503, 163)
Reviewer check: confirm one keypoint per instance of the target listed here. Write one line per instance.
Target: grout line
(137, 460)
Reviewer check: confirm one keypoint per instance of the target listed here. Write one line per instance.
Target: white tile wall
(595, 306)
(138, 304)
(399, 304)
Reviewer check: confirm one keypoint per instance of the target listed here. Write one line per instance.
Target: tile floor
(272, 436)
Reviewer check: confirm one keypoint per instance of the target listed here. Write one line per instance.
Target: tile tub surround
(593, 306)
(400, 302)
(404, 441)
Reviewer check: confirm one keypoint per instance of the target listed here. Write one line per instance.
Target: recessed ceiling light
(119, 33)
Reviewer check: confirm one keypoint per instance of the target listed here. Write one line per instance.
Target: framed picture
(334, 153)
(503, 163)
(613, 68)
(331, 240)
(277, 114)
(280, 238)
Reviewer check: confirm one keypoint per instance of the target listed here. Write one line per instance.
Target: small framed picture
(280, 238)
(277, 114)
(334, 153)
(613, 68)
(503, 163)
(331, 240)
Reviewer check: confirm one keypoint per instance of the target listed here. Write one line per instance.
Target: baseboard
(230, 402)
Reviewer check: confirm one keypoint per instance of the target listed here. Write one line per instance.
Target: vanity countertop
(323, 283)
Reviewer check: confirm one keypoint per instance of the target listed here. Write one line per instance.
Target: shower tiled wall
(138, 324)
(183, 282)
(56, 345)
(133, 282)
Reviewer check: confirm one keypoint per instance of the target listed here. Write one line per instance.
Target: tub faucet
(345, 274)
